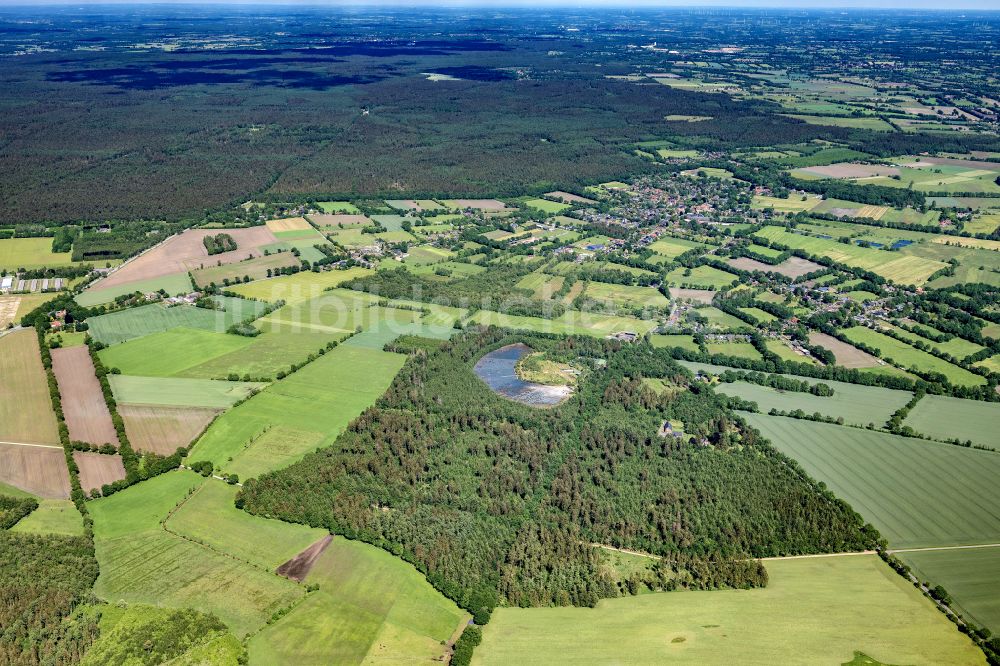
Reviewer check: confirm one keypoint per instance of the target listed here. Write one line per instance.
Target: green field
(179, 392)
(814, 610)
(53, 516)
(209, 516)
(627, 295)
(855, 403)
(971, 576)
(956, 347)
(132, 323)
(683, 341)
(299, 287)
(174, 284)
(672, 247)
(546, 206)
(338, 207)
(30, 253)
(320, 400)
(141, 562)
(871, 123)
(917, 493)
(944, 417)
(895, 266)
(786, 353)
(702, 277)
(171, 352)
(255, 268)
(723, 320)
(760, 315)
(906, 356)
(737, 349)
(793, 203)
(371, 607)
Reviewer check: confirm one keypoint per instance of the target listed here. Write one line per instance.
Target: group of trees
(219, 243)
(497, 502)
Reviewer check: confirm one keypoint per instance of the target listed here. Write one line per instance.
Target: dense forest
(497, 502)
(42, 580)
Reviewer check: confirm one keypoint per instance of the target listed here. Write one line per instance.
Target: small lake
(497, 370)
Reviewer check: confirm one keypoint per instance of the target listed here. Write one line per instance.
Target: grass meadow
(826, 607)
(174, 284)
(116, 327)
(855, 403)
(179, 391)
(141, 562)
(910, 357)
(916, 492)
(703, 277)
(31, 253)
(53, 516)
(945, 417)
(171, 352)
(971, 576)
(371, 607)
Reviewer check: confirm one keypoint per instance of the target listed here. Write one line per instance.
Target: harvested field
(87, 415)
(97, 469)
(696, 295)
(163, 429)
(847, 355)
(25, 407)
(418, 205)
(299, 566)
(288, 224)
(336, 219)
(8, 309)
(39, 470)
(186, 252)
(848, 170)
(475, 204)
(568, 197)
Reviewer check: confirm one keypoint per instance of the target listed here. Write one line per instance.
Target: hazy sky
(620, 4)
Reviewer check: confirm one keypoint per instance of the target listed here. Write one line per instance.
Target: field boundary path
(777, 557)
(930, 548)
(41, 446)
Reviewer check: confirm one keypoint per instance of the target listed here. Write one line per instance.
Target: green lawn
(814, 610)
(179, 392)
(971, 576)
(371, 607)
(53, 516)
(672, 247)
(737, 349)
(917, 493)
(945, 417)
(855, 403)
(906, 356)
(546, 206)
(722, 320)
(683, 341)
(143, 563)
(209, 516)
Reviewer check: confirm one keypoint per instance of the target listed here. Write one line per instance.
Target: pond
(497, 369)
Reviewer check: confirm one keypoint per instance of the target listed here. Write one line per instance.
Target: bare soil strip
(97, 469)
(37, 469)
(87, 415)
(299, 566)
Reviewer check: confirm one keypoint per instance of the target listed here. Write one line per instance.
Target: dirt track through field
(38, 469)
(299, 566)
(87, 415)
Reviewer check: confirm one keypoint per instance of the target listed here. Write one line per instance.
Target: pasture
(163, 429)
(25, 407)
(945, 417)
(666, 341)
(758, 314)
(716, 318)
(86, 413)
(671, 248)
(38, 470)
(371, 607)
(910, 357)
(123, 325)
(971, 576)
(827, 608)
(323, 397)
(174, 284)
(855, 403)
(917, 493)
(53, 516)
(572, 322)
(956, 347)
(737, 349)
(31, 253)
(546, 206)
(271, 352)
(626, 295)
(299, 287)
(209, 516)
(143, 563)
(171, 352)
(256, 269)
(905, 269)
(786, 353)
(793, 203)
(338, 207)
(700, 277)
(179, 392)
(14, 307)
